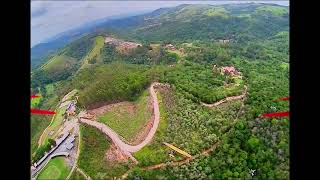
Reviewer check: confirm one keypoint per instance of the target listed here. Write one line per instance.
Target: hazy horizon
(49, 18)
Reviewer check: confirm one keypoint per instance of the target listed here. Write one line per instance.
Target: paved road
(126, 148)
(60, 149)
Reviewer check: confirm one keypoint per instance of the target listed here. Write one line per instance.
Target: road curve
(117, 139)
(232, 98)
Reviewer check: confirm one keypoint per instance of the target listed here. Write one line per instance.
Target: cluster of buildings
(224, 41)
(71, 109)
(121, 43)
(170, 47)
(230, 70)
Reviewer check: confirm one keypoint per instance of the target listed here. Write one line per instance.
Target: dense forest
(257, 46)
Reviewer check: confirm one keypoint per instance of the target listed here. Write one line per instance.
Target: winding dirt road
(232, 98)
(126, 148)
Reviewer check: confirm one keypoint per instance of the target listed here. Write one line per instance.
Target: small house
(71, 109)
(229, 70)
(170, 47)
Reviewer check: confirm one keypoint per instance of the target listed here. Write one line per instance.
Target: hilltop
(219, 67)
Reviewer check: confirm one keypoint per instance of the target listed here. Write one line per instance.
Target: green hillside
(187, 47)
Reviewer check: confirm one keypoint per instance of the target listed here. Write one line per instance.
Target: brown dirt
(146, 128)
(106, 108)
(114, 154)
(142, 133)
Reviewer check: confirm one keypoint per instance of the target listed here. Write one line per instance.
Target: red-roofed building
(229, 70)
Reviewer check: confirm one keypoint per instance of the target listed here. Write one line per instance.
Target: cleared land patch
(273, 10)
(94, 55)
(58, 63)
(155, 152)
(127, 119)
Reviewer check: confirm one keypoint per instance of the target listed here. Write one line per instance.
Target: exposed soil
(114, 154)
(142, 133)
(106, 108)
(126, 148)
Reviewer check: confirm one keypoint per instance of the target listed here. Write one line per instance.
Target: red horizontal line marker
(40, 111)
(34, 96)
(284, 99)
(276, 114)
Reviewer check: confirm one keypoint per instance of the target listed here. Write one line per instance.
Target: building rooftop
(70, 146)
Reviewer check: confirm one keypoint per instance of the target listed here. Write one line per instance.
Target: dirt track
(126, 148)
(232, 98)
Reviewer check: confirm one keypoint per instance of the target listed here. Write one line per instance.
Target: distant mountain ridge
(183, 22)
(52, 44)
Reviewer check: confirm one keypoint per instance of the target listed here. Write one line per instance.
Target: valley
(177, 93)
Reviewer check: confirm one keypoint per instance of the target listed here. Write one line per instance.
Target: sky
(49, 18)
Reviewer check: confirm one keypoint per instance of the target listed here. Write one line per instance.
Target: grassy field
(128, 119)
(94, 145)
(55, 169)
(273, 10)
(155, 152)
(94, 54)
(55, 125)
(284, 65)
(69, 96)
(218, 11)
(37, 124)
(35, 101)
(58, 63)
(77, 176)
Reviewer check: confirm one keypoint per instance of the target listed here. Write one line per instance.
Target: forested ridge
(257, 46)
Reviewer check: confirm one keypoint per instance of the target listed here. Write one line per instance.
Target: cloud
(38, 8)
(39, 12)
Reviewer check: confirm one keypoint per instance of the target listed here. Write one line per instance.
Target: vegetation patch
(58, 63)
(55, 169)
(217, 11)
(55, 125)
(92, 159)
(76, 175)
(202, 83)
(36, 101)
(94, 55)
(155, 152)
(110, 83)
(130, 118)
(275, 10)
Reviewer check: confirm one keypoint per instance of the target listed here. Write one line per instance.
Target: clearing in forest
(129, 119)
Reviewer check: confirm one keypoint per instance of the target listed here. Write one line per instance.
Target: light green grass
(70, 95)
(55, 125)
(128, 121)
(35, 101)
(95, 52)
(37, 125)
(59, 117)
(58, 63)
(50, 89)
(273, 10)
(217, 11)
(55, 169)
(284, 66)
(155, 152)
(180, 54)
(244, 16)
